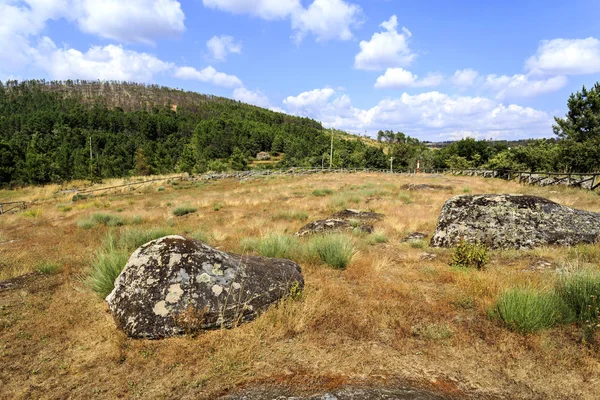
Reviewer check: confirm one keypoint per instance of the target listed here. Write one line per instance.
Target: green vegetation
(322, 192)
(184, 210)
(291, 216)
(279, 246)
(45, 134)
(581, 292)
(48, 268)
(101, 219)
(110, 260)
(334, 250)
(378, 237)
(470, 255)
(529, 310)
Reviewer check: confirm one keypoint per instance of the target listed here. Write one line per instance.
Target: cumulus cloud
(208, 75)
(395, 78)
(522, 85)
(566, 57)
(132, 20)
(251, 97)
(220, 46)
(464, 77)
(325, 19)
(110, 62)
(430, 115)
(265, 9)
(387, 49)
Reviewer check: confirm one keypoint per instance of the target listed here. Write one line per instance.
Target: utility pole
(391, 165)
(331, 152)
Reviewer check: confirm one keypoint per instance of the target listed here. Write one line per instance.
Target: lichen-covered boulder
(513, 221)
(357, 214)
(174, 285)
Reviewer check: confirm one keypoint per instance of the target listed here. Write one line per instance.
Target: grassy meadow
(378, 311)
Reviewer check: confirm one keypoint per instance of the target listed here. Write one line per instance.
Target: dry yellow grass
(389, 316)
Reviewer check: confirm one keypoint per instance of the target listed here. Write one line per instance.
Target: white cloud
(386, 49)
(566, 57)
(522, 85)
(208, 75)
(251, 97)
(430, 115)
(395, 78)
(105, 63)
(130, 20)
(220, 46)
(327, 19)
(464, 77)
(265, 9)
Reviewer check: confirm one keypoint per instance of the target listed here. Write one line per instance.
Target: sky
(433, 69)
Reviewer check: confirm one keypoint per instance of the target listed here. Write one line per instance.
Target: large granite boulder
(175, 285)
(513, 221)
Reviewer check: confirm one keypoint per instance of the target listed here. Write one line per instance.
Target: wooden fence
(12, 207)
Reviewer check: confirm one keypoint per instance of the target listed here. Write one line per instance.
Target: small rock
(356, 214)
(415, 236)
(540, 265)
(428, 256)
(332, 226)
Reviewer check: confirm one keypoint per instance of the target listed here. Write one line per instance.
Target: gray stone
(332, 225)
(513, 221)
(414, 236)
(350, 393)
(174, 285)
(357, 214)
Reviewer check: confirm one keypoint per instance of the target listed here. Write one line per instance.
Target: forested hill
(48, 128)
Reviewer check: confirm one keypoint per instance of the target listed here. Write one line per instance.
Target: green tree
(582, 121)
(141, 163)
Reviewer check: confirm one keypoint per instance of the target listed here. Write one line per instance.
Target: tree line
(59, 131)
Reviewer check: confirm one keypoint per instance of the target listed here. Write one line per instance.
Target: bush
(580, 291)
(32, 212)
(470, 255)
(322, 192)
(86, 224)
(181, 211)
(334, 250)
(112, 257)
(217, 206)
(418, 243)
(528, 310)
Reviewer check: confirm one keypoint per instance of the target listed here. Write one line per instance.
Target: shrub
(580, 291)
(181, 211)
(322, 192)
(160, 189)
(334, 250)
(470, 255)
(48, 268)
(466, 189)
(86, 224)
(529, 310)
(278, 246)
(417, 243)
(137, 220)
(217, 206)
(112, 257)
(107, 220)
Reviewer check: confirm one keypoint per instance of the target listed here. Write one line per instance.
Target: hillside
(58, 131)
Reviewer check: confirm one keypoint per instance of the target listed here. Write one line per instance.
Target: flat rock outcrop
(513, 221)
(332, 225)
(174, 285)
(356, 214)
(424, 186)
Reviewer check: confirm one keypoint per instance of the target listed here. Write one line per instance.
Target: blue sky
(436, 70)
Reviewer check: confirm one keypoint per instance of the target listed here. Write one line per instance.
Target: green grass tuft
(291, 216)
(279, 246)
(322, 192)
(580, 291)
(378, 237)
(184, 210)
(334, 250)
(529, 310)
(48, 268)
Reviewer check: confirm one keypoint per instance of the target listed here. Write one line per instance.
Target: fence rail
(12, 207)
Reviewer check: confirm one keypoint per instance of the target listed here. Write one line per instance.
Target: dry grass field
(391, 317)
